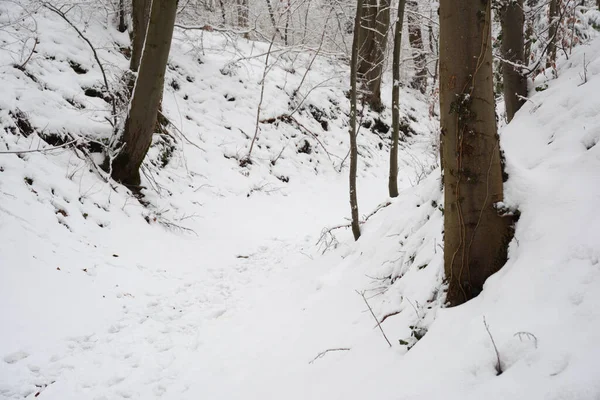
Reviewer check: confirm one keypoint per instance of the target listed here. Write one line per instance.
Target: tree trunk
(475, 236)
(372, 44)
(368, 13)
(122, 25)
(434, 50)
(140, 15)
(242, 13)
(288, 15)
(147, 94)
(552, 30)
(353, 117)
(529, 30)
(393, 179)
(223, 13)
(513, 44)
(415, 37)
(272, 17)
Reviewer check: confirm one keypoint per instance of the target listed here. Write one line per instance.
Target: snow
(220, 287)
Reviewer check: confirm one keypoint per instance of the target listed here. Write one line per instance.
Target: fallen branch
(210, 28)
(321, 354)
(362, 294)
(386, 316)
(45, 150)
(327, 231)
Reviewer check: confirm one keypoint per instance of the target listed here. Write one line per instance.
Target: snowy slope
(541, 308)
(105, 297)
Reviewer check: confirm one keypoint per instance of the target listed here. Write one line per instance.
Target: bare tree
(147, 94)
(242, 13)
(122, 25)
(353, 117)
(372, 42)
(415, 37)
(475, 236)
(552, 33)
(515, 83)
(393, 178)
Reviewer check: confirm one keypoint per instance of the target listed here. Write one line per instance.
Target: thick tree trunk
(415, 37)
(393, 179)
(353, 118)
(552, 30)
(475, 236)
(515, 83)
(140, 15)
(372, 42)
(368, 13)
(147, 94)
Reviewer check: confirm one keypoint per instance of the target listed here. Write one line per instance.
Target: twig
(362, 294)
(210, 28)
(528, 335)
(262, 94)
(558, 20)
(180, 132)
(40, 150)
(498, 365)
(413, 306)
(321, 354)
(326, 231)
(22, 66)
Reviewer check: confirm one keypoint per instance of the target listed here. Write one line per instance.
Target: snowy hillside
(222, 283)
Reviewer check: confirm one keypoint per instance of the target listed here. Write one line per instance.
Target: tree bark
(288, 15)
(552, 29)
(242, 13)
(272, 17)
(393, 179)
(122, 25)
(415, 37)
(353, 117)
(140, 15)
(529, 30)
(475, 236)
(147, 94)
(515, 83)
(368, 13)
(375, 23)
(223, 14)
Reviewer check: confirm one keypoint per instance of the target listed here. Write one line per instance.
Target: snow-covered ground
(220, 289)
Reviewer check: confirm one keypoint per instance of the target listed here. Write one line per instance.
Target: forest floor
(222, 282)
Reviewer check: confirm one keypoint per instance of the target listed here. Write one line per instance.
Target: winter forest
(300, 199)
